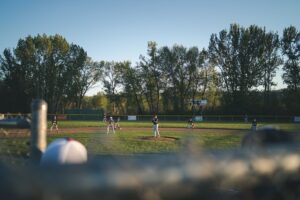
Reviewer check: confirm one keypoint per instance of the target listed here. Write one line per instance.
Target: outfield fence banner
(198, 118)
(61, 117)
(183, 118)
(217, 118)
(297, 119)
(131, 118)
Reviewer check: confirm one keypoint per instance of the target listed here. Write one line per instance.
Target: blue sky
(120, 29)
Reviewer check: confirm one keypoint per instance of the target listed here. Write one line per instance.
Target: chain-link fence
(175, 118)
(96, 115)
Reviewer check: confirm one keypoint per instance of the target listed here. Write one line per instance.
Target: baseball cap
(64, 151)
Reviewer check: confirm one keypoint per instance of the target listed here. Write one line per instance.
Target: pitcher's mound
(161, 138)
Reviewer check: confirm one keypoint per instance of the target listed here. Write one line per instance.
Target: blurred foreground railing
(239, 174)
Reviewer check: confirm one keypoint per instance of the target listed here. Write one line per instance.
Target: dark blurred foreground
(269, 174)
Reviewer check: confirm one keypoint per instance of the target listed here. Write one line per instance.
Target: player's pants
(54, 125)
(117, 126)
(112, 128)
(155, 130)
(190, 125)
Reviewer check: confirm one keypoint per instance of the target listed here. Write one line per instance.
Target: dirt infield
(26, 132)
(14, 132)
(162, 138)
(142, 129)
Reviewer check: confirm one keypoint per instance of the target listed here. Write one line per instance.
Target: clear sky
(118, 30)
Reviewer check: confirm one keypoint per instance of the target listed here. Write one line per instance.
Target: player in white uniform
(54, 124)
(110, 124)
(155, 126)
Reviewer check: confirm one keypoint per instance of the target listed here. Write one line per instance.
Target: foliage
(235, 74)
(131, 80)
(46, 67)
(291, 49)
(290, 44)
(183, 69)
(97, 101)
(112, 83)
(88, 76)
(151, 71)
(247, 58)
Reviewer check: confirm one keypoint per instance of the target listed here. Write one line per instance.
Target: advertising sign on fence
(297, 119)
(198, 118)
(131, 117)
(61, 117)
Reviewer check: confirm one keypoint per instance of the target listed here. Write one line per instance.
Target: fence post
(38, 129)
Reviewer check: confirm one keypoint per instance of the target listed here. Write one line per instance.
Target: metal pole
(38, 129)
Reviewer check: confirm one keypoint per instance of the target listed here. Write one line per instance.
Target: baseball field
(137, 137)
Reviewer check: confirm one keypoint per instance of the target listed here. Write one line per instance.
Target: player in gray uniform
(155, 126)
(117, 124)
(54, 124)
(254, 125)
(104, 118)
(190, 123)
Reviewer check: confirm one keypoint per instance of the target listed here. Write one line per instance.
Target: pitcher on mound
(155, 126)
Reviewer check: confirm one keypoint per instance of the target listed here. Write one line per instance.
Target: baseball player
(254, 125)
(54, 123)
(104, 118)
(110, 124)
(190, 123)
(155, 126)
(117, 124)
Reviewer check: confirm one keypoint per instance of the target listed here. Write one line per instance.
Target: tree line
(235, 74)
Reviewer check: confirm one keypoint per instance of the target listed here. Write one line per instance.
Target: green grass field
(212, 136)
(130, 139)
(179, 124)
